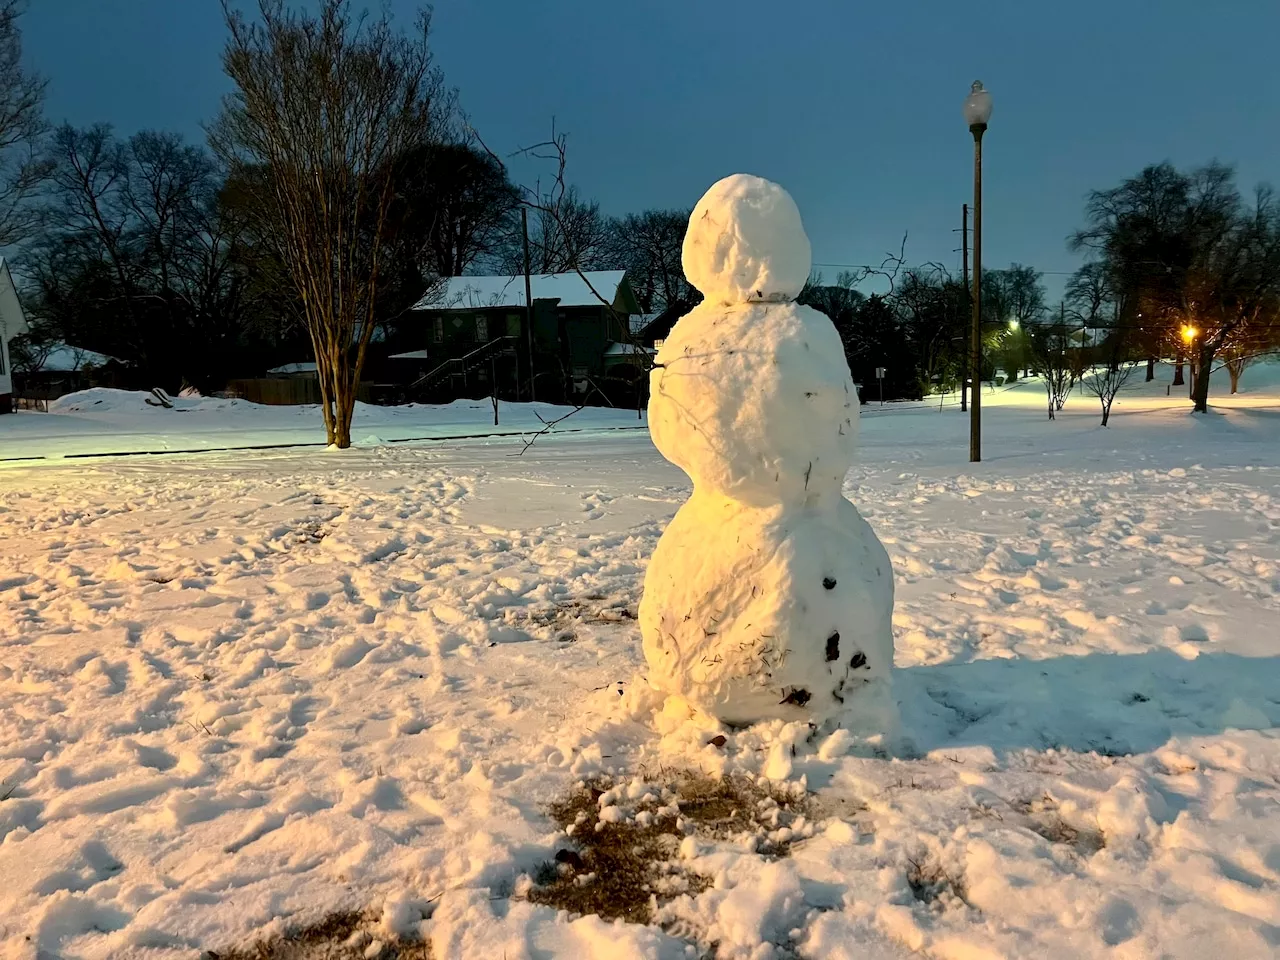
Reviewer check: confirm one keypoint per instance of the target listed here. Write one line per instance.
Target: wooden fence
(286, 391)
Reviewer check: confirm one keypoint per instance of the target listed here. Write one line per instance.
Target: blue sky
(853, 106)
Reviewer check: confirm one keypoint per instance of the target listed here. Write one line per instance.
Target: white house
(12, 322)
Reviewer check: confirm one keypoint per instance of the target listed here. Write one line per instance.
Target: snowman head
(746, 243)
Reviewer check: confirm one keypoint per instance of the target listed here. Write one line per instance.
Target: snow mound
(99, 400)
(108, 400)
(745, 242)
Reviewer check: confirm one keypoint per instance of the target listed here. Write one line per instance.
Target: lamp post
(1189, 334)
(977, 111)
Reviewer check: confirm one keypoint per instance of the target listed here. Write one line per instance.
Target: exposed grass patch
(1053, 828)
(932, 883)
(348, 935)
(1044, 819)
(562, 616)
(626, 838)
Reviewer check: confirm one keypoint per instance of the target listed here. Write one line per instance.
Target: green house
(478, 341)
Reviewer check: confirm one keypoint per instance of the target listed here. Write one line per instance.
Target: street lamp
(1189, 334)
(977, 111)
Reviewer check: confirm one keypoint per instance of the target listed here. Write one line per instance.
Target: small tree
(324, 107)
(1104, 381)
(1056, 359)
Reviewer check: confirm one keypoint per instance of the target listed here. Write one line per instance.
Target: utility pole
(528, 300)
(964, 253)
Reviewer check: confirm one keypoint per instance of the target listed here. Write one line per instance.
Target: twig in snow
(203, 727)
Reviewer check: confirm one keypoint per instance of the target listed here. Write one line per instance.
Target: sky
(854, 107)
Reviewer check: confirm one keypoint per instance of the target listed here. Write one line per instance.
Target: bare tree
(1188, 252)
(649, 246)
(567, 234)
(1052, 348)
(1093, 300)
(22, 127)
(1104, 381)
(324, 106)
(30, 351)
(933, 308)
(136, 255)
(455, 205)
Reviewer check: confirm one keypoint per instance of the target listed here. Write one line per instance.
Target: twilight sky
(853, 106)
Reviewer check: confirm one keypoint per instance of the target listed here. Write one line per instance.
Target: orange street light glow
(1189, 333)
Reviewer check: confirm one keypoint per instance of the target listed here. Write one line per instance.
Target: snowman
(768, 596)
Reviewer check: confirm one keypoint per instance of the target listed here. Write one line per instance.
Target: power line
(877, 266)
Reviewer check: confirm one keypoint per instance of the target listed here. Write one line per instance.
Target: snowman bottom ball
(758, 613)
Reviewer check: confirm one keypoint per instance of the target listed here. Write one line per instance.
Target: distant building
(12, 323)
(651, 329)
(55, 369)
(478, 341)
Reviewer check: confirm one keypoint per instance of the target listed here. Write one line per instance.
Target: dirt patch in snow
(630, 839)
(340, 936)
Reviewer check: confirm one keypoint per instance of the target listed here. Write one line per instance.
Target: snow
(768, 595)
(294, 368)
(737, 620)
(237, 692)
(102, 421)
(626, 350)
(570, 289)
(756, 401)
(65, 359)
(745, 242)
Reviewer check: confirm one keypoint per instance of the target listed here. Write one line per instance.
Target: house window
(513, 324)
(439, 330)
(482, 327)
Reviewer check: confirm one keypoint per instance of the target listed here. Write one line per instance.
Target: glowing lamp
(977, 106)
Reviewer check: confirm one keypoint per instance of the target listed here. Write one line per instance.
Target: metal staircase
(461, 366)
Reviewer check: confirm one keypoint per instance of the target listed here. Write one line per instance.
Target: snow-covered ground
(239, 690)
(100, 421)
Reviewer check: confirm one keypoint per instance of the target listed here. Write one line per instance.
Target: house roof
(67, 359)
(627, 350)
(293, 368)
(459, 293)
